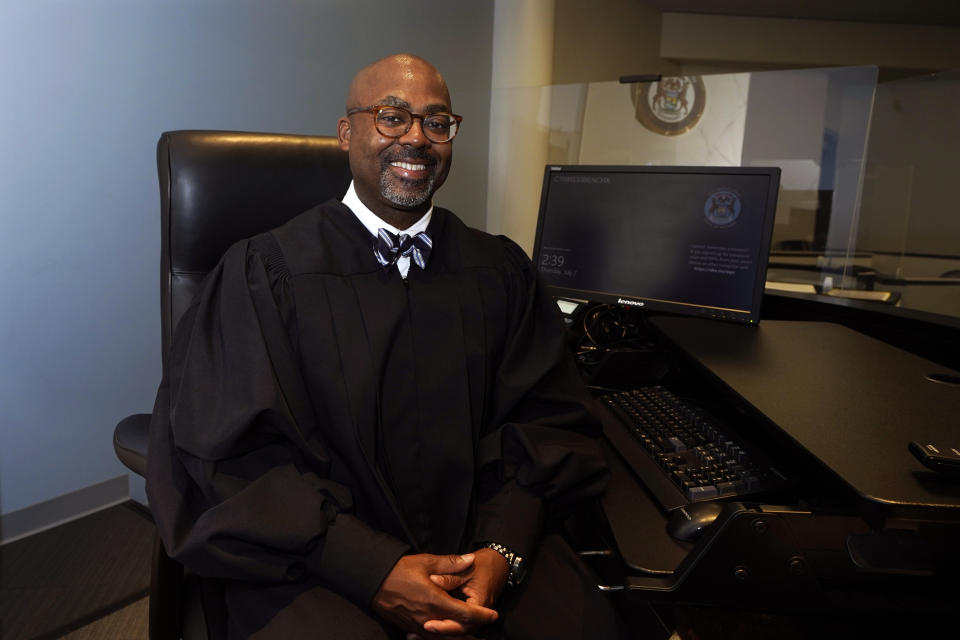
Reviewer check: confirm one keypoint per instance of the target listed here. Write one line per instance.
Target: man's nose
(414, 135)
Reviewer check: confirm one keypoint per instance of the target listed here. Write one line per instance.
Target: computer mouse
(688, 522)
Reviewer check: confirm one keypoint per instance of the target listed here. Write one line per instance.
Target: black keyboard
(682, 453)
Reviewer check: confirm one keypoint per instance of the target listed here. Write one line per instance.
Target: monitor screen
(689, 240)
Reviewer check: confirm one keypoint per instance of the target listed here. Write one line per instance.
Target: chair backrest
(217, 187)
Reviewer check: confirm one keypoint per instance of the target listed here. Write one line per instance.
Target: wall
(522, 62)
(605, 39)
(87, 89)
(781, 42)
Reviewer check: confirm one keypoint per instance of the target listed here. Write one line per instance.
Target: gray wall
(87, 87)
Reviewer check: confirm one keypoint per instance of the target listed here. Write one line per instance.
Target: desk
(847, 404)
(851, 401)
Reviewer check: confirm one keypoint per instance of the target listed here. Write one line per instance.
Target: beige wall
(522, 61)
(604, 39)
(744, 40)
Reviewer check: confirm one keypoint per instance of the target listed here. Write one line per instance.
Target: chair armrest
(130, 439)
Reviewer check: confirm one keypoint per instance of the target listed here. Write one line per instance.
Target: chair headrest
(218, 187)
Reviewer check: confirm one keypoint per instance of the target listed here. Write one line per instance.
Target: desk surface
(850, 400)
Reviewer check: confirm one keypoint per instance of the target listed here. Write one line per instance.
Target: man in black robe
(368, 440)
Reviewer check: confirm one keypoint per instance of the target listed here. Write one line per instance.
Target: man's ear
(343, 133)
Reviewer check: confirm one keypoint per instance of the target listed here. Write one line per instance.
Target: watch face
(518, 570)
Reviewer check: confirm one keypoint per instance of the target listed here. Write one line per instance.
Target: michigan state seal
(722, 207)
(671, 106)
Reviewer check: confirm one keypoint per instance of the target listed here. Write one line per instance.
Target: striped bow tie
(388, 248)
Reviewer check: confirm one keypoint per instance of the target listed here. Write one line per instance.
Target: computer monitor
(688, 240)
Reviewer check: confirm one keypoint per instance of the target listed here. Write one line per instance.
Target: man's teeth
(409, 166)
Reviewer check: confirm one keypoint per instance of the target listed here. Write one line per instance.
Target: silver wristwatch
(515, 562)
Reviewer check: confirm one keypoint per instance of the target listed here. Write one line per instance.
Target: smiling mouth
(409, 166)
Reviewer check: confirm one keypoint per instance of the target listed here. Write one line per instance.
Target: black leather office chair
(217, 187)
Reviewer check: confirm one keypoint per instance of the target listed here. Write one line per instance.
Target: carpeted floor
(129, 623)
(59, 580)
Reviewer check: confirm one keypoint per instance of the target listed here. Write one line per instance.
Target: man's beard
(407, 193)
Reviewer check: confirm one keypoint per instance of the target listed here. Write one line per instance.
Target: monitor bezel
(682, 308)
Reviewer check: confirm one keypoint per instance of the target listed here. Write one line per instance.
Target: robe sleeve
(237, 479)
(540, 456)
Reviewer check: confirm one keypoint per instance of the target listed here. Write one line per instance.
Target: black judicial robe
(319, 416)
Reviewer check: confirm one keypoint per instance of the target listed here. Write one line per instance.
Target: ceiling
(930, 12)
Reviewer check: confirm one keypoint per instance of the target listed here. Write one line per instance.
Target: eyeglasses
(394, 122)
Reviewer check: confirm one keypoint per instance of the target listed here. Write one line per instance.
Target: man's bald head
(396, 69)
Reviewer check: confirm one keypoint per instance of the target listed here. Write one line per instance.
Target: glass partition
(864, 209)
(908, 216)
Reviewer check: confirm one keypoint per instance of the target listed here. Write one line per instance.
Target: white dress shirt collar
(373, 223)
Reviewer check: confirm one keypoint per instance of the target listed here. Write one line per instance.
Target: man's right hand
(409, 599)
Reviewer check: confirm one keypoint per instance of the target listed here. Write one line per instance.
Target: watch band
(514, 562)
